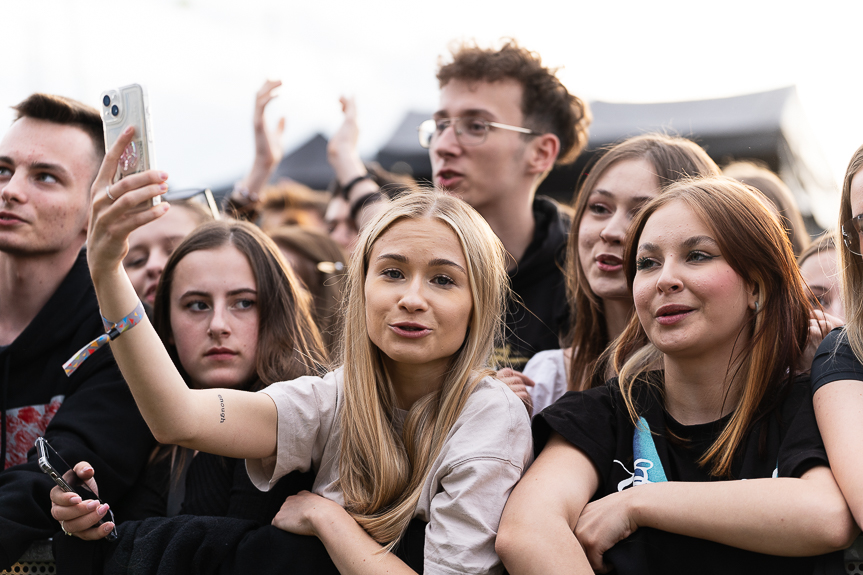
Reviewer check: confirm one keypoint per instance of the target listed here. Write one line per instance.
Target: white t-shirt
(547, 369)
(484, 455)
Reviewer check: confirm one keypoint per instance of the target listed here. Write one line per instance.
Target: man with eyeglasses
(504, 121)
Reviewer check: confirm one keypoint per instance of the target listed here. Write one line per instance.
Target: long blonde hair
(851, 265)
(755, 245)
(381, 473)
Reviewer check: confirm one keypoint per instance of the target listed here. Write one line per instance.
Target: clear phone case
(129, 106)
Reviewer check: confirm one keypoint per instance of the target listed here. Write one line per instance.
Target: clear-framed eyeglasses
(469, 131)
(851, 232)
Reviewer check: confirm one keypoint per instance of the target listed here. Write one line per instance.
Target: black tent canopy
(766, 126)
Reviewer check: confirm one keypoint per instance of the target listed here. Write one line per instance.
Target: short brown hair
(547, 105)
(67, 112)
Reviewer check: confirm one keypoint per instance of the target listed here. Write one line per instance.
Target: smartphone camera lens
(115, 110)
(106, 100)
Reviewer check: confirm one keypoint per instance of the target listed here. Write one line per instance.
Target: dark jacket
(536, 322)
(89, 416)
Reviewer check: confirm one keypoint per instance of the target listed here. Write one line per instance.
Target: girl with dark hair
(642, 474)
(230, 314)
(626, 177)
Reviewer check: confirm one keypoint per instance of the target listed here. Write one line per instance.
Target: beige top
(485, 454)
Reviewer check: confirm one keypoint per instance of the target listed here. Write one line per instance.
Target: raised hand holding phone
(122, 108)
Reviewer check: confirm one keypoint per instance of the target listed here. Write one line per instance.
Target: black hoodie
(89, 416)
(537, 323)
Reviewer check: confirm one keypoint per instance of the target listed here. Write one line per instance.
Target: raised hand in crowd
(355, 184)
(268, 151)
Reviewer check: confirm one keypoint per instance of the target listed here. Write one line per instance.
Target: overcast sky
(203, 61)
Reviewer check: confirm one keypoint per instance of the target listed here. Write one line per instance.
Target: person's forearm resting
(536, 530)
(778, 516)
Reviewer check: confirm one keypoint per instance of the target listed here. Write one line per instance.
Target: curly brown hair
(547, 105)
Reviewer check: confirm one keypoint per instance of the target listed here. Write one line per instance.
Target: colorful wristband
(113, 330)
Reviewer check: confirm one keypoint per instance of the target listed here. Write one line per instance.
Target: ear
(753, 296)
(542, 153)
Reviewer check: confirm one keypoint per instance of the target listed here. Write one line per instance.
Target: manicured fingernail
(163, 186)
(76, 500)
(91, 505)
(107, 527)
(129, 130)
(102, 509)
(87, 469)
(163, 175)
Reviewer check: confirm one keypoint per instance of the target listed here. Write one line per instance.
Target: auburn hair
(753, 242)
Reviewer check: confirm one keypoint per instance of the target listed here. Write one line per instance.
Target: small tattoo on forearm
(222, 412)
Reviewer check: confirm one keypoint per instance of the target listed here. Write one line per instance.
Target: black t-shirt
(835, 360)
(785, 443)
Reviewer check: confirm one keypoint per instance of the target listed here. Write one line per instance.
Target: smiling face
(615, 199)
(214, 317)
(688, 298)
(491, 173)
(45, 175)
(418, 297)
(151, 245)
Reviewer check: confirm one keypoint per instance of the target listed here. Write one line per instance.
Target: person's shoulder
(494, 421)
(492, 398)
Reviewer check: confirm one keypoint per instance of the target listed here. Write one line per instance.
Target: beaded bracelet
(112, 331)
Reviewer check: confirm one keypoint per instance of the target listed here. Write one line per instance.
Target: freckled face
(418, 298)
(690, 301)
(214, 317)
(45, 174)
(616, 198)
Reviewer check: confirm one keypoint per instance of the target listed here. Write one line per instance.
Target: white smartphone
(63, 475)
(121, 108)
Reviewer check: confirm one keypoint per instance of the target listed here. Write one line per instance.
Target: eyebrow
(441, 114)
(208, 294)
(687, 243)
(44, 166)
(636, 199)
(432, 263)
(445, 262)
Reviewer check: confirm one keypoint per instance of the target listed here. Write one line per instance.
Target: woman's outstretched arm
(778, 516)
(536, 530)
(225, 422)
(839, 411)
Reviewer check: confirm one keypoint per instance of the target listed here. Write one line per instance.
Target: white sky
(203, 61)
